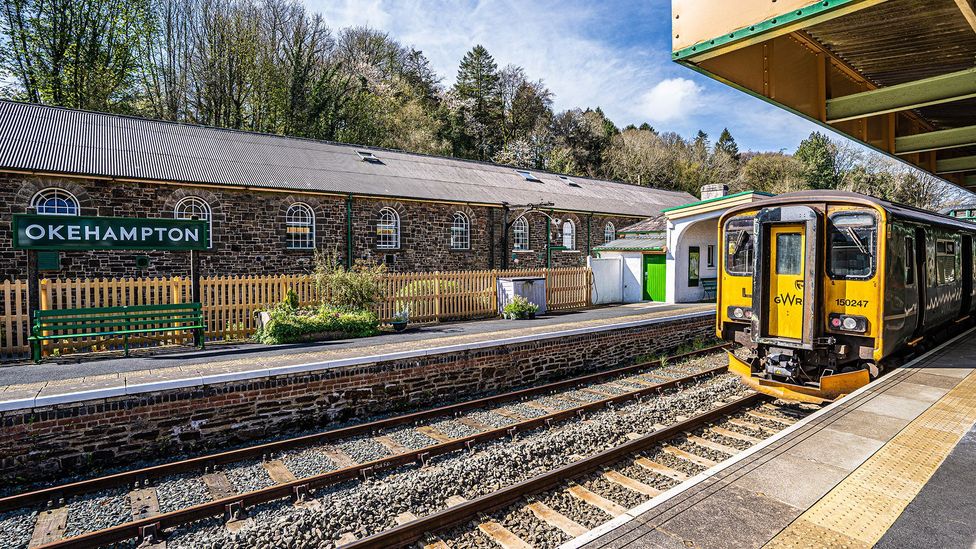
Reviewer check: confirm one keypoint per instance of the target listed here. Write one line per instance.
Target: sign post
(34, 232)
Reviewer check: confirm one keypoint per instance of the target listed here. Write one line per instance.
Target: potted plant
(400, 320)
(519, 308)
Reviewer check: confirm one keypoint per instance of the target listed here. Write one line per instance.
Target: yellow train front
(824, 289)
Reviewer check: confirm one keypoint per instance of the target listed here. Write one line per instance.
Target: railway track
(559, 505)
(143, 503)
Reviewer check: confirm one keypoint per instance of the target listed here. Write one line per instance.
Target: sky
(613, 54)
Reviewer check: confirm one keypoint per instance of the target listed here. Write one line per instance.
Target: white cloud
(671, 100)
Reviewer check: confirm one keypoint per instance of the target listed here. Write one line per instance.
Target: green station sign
(53, 232)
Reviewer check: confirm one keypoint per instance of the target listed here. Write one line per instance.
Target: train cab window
(945, 261)
(852, 245)
(740, 246)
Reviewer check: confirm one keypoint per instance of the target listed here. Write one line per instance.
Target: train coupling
(783, 365)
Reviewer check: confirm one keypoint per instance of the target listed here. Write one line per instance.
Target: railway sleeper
(556, 519)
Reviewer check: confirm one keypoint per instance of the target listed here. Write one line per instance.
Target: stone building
(271, 201)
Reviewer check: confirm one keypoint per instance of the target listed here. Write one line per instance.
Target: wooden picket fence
(230, 303)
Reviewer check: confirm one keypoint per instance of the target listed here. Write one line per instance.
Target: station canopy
(896, 75)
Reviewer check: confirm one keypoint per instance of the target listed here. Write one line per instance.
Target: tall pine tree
(726, 143)
(479, 94)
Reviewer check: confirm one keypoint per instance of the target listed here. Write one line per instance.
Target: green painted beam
(933, 141)
(970, 181)
(956, 165)
(910, 95)
(815, 13)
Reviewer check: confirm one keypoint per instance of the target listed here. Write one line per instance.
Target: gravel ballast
(368, 507)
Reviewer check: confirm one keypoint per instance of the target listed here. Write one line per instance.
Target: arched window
(520, 234)
(569, 235)
(55, 201)
(460, 232)
(388, 229)
(193, 206)
(300, 227)
(609, 232)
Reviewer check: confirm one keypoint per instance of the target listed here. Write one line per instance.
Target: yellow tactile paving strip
(859, 510)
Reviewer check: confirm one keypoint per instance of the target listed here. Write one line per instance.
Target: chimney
(714, 191)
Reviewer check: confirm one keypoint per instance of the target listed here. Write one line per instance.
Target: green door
(655, 275)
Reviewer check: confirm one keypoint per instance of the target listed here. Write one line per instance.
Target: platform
(890, 465)
(27, 385)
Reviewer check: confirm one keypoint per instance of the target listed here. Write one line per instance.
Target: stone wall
(54, 441)
(248, 230)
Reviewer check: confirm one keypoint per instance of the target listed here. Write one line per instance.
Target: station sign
(55, 232)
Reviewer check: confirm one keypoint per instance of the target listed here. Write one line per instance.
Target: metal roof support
(933, 141)
(955, 165)
(910, 95)
(966, 7)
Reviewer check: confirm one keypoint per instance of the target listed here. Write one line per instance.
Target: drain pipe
(349, 231)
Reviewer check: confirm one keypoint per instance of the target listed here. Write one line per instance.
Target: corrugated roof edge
(716, 199)
(337, 143)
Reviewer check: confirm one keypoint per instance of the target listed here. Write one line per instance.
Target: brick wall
(64, 439)
(249, 230)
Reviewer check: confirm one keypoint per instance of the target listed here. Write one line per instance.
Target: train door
(786, 275)
(921, 279)
(967, 274)
(785, 286)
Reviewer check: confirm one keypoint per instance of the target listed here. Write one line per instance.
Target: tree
(818, 155)
(726, 144)
(75, 54)
(771, 173)
(479, 104)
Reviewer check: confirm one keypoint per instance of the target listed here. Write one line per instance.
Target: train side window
(740, 246)
(852, 243)
(945, 261)
(909, 261)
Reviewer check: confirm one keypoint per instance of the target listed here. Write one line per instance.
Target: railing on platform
(230, 302)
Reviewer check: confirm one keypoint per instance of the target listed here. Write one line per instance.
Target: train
(824, 290)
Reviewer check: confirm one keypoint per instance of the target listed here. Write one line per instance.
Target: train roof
(899, 210)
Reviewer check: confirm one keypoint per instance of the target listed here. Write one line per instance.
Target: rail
(296, 489)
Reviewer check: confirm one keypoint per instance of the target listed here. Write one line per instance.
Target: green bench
(115, 321)
(710, 285)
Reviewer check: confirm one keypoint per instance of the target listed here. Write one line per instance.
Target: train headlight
(740, 313)
(848, 323)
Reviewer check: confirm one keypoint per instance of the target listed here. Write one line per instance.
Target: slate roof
(633, 244)
(652, 224)
(58, 140)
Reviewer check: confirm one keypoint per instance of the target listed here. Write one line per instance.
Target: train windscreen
(852, 242)
(740, 246)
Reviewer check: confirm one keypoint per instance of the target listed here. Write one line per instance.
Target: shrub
(355, 289)
(519, 307)
(290, 325)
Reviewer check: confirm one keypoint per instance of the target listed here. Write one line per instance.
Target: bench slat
(121, 309)
(115, 333)
(83, 325)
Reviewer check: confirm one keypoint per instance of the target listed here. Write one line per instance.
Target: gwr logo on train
(788, 299)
